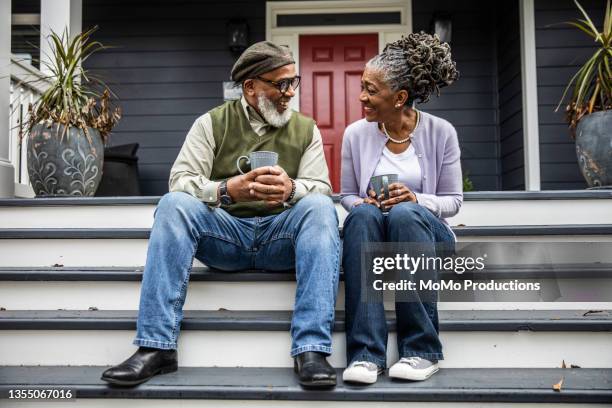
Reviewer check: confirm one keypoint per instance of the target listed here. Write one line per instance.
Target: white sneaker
(362, 372)
(413, 368)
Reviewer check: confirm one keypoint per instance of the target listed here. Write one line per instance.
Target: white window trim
(531, 137)
(7, 171)
(290, 36)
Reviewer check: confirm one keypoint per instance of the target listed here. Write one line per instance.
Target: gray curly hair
(419, 64)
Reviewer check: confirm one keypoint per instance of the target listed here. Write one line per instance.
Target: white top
(405, 165)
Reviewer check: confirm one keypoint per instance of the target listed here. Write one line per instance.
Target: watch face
(226, 200)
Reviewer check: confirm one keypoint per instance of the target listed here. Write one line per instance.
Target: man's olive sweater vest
(234, 137)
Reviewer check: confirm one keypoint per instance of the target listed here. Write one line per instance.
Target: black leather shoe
(141, 366)
(314, 371)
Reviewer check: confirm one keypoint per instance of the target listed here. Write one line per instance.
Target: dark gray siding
(510, 96)
(471, 103)
(560, 51)
(25, 39)
(167, 68)
(171, 58)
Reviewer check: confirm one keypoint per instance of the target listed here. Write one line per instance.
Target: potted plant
(69, 124)
(589, 109)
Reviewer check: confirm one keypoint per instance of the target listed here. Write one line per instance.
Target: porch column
(58, 16)
(7, 171)
(531, 138)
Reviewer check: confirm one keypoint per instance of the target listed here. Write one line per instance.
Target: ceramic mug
(258, 159)
(382, 182)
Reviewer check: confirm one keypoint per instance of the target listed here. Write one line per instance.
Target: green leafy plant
(467, 183)
(72, 98)
(592, 84)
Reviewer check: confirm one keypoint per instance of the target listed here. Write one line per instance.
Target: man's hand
(240, 187)
(270, 184)
(273, 187)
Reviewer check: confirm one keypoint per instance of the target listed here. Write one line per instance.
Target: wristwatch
(224, 197)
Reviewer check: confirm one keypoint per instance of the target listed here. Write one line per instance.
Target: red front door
(331, 68)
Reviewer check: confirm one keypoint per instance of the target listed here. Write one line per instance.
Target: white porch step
(271, 349)
(471, 339)
(92, 269)
(110, 289)
(31, 247)
(479, 209)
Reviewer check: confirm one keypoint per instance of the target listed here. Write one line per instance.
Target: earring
(398, 106)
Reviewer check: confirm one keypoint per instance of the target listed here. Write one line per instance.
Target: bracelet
(292, 194)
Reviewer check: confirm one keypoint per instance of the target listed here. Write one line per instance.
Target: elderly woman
(422, 149)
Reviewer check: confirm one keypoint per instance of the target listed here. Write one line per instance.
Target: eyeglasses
(284, 84)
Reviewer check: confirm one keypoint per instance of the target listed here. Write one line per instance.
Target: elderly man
(273, 218)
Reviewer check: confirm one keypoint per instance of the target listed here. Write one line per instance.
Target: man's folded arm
(193, 165)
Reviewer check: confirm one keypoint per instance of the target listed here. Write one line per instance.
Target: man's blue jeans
(304, 237)
(417, 321)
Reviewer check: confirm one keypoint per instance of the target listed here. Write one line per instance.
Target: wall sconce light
(238, 35)
(442, 25)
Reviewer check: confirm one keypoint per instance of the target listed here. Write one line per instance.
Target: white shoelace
(370, 366)
(411, 361)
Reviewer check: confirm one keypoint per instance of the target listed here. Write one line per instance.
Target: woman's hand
(398, 193)
(371, 199)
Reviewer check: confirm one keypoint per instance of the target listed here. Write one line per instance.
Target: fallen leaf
(93, 308)
(557, 386)
(58, 265)
(592, 312)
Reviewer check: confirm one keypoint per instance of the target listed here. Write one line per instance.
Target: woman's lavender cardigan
(437, 149)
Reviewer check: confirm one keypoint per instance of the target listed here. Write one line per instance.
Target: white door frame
(290, 36)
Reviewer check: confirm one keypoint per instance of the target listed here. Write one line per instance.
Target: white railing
(27, 84)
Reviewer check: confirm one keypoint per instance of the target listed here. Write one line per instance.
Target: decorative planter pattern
(64, 166)
(594, 148)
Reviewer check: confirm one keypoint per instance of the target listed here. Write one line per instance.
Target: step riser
(473, 213)
(527, 212)
(235, 348)
(257, 296)
(130, 252)
(156, 403)
(136, 216)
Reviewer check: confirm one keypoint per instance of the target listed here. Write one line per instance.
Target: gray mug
(382, 182)
(258, 159)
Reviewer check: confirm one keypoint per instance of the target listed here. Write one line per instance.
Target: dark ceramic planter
(594, 148)
(64, 166)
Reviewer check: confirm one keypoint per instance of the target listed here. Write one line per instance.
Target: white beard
(270, 114)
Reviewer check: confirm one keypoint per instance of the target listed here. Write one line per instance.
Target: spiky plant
(592, 84)
(72, 98)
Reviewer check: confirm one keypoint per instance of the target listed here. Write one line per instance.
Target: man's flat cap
(260, 58)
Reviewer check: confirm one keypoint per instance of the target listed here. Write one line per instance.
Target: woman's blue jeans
(304, 237)
(417, 321)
